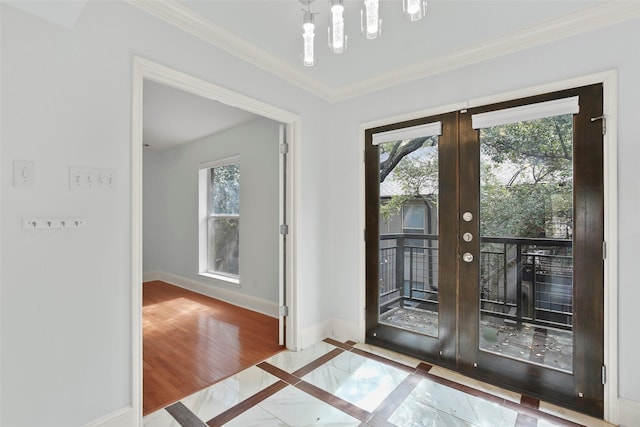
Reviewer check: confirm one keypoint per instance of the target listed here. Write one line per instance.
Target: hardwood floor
(191, 341)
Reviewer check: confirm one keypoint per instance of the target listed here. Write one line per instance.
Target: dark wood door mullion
(469, 271)
(448, 243)
(588, 241)
(371, 232)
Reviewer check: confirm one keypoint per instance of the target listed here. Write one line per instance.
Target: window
(413, 222)
(220, 219)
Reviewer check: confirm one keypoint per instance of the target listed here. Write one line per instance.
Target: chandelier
(370, 24)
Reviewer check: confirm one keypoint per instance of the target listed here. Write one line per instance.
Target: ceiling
(454, 33)
(275, 27)
(268, 34)
(172, 116)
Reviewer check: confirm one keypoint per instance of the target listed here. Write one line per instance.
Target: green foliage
(525, 210)
(393, 206)
(225, 189)
(525, 183)
(526, 178)
(416, 174)
(541, 149)
(225, 245)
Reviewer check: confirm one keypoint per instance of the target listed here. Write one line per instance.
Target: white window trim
(203, 217)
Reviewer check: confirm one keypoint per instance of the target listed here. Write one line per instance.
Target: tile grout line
(523, 420)
(317, 362)
(520, 408)
(530, 402)
(295, 379)
(279, 373)
(184, 416)
(285, 379)
(335, 401)
(387, 407)
(528, 409)
(393, 401)
(517, 407)
(246, 404)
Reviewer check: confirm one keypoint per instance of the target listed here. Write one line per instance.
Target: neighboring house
(416, 216)
(419, 267)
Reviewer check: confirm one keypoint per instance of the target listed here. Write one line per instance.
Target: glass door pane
(408, 212)
(526, 243)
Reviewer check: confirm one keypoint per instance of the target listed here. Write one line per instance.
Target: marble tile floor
(349, 384)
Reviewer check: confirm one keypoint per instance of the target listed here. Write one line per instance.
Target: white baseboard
(125, 417)
(314, 334)
(337, 329)
(344, 331)
(149, 276)
(628, 413)
(236, 298)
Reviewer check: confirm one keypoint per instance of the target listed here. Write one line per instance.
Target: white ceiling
(172, 116)
(455, 33)
(268, 34)
(275, 27)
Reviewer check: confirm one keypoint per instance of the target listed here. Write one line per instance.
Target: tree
(526, 176)
(225, 189)
(394, 152)
(415, 170)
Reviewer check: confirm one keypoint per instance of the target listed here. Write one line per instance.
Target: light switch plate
(91, 178)
(50, 223)
(23, 171)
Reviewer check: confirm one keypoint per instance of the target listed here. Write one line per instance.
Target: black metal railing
(409, 269)
(521, 280)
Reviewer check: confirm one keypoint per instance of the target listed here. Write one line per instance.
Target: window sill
(226, 279)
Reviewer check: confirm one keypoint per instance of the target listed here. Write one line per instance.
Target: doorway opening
(283, 309)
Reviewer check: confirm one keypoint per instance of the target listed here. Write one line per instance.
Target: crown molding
(600, 16)
(597, 17)
(190, 22)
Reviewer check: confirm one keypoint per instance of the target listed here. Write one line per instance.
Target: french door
(485, 243)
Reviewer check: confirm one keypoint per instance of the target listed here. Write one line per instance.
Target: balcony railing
(521, 280)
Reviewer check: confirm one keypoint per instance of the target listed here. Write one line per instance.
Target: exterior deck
(525, 291)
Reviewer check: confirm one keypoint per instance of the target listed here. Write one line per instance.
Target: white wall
(153, 217)
(66, 95)
(578, 56)
(170, 218)
(66, 295)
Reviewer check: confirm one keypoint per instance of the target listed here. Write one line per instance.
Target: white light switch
(23, 174)
(92, 178)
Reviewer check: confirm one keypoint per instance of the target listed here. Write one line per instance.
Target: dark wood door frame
(583, 390)
(441, 349)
